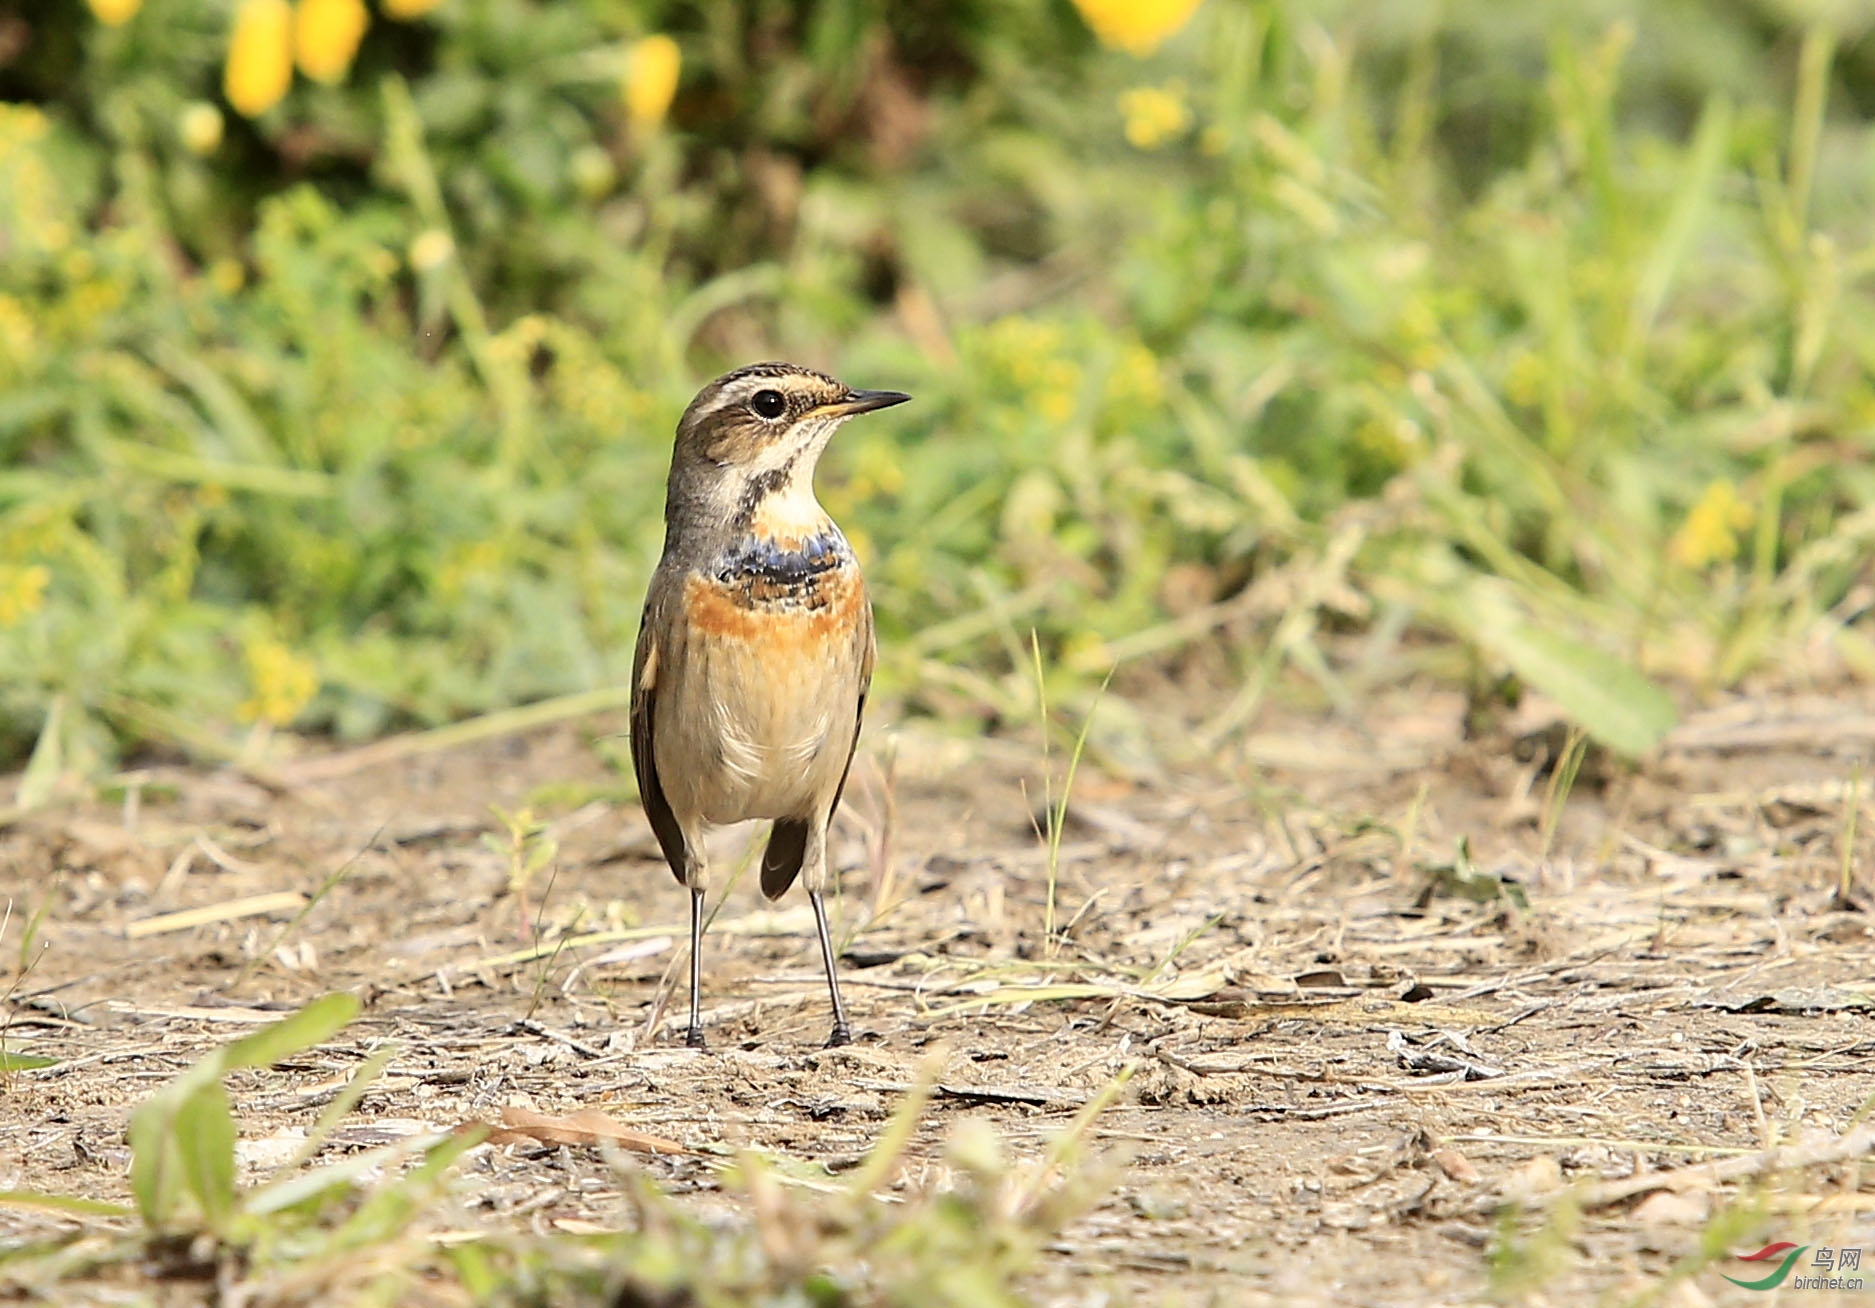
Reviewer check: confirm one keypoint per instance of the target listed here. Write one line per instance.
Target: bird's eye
(769, 404)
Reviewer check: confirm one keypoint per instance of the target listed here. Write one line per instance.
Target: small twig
(1039, 1096)
(546, 1032)
(228, 910)
(1786, 1158)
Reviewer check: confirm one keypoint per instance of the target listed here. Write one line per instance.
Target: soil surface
(1372, 981)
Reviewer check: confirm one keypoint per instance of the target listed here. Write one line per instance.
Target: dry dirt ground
(1351, 1044)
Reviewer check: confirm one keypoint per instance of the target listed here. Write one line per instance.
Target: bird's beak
(867, 401)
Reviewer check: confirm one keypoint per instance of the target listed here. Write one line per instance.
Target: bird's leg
(842, 1033)
(694, 1036)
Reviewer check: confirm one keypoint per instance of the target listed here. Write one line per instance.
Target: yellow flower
(431, 249)
(283, 682)
(651, 68)
(1134, 378)
(260, 57)
(466, 564)
(19, 337)
(591, 171)
(199, 126)
(115, 13)
(877, 470)
(1057, 396)
(227, 275)
(1085, 652)
(1524, 379)
(1155, 114)
(326, 34)
(405, 10)
(1136, 26)
(1710, 533)
(22, 592)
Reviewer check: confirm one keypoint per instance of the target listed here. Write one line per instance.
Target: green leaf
(342, 1104)
(1465, 879)
(1609, 699)
(24, 1062)
(388, 1209)
(63, 1203)
(541, 853)
(476, 1271)
(319, 1021)
(165, 1151)
(307, 1190)
(1606, 696)
(204, 1135)
(155, 1162)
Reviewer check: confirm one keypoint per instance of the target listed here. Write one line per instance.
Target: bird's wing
(648, 667)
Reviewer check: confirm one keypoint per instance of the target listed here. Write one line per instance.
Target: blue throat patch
(758, 559)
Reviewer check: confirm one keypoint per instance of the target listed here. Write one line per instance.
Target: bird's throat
(785, 511)
(782, 564)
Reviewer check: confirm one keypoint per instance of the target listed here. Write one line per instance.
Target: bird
(756, 649)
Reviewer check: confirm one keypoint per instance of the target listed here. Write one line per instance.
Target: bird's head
(748, 443)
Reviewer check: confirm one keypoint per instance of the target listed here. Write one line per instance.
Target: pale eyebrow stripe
(733, 393)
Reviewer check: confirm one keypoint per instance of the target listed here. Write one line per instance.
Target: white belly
(758, 721)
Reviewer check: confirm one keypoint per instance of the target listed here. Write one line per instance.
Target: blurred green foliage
(1481, 318)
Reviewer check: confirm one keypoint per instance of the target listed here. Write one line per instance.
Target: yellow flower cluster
(21, 124)
(517, 342)
(1136, 26)
(270, 36)
(32, 209)
(283, 682)
(1135, 380)
(876, 469)
(650, 81)
(1389, 438)
(465, 564)
(1420, 333)
(1710, 533)
(1039, 359)
(1029, 353)
(585, 382)
(227, 276)
(19, 340)
(115, 13)
(1524, 378)
(1155, 114)
(22, 591)
(38, 228)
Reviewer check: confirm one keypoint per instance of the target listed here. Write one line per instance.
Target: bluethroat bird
(756, 649)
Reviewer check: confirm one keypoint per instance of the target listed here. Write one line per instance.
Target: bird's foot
(694, 1037)
(842, 1035)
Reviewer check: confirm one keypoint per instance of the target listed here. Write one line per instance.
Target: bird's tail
(781, 861)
